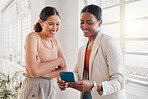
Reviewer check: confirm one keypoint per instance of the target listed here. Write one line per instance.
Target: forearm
(54, 73)
(40, 69)
(114, 85)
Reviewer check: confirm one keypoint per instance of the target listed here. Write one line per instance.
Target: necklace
(48, 44)
(90, 44)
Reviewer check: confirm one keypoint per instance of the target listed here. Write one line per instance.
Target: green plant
(10, 86)
(19, 62)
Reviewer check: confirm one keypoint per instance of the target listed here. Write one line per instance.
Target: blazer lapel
(94, 50)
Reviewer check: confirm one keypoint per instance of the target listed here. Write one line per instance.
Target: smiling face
(89, 24)
(51, 26)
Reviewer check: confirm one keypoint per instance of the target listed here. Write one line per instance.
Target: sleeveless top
(45, 54)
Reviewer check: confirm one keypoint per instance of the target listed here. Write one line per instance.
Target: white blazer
(105, 66)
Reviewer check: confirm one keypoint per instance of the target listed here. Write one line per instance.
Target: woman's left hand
(82, 85)
(62, 84)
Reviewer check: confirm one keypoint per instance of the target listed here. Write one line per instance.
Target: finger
(71, 84)
(58, 79)
(66, 85)
(77, 86)
(80, 89)
(62, 82)
(62, 87)
(79, 82)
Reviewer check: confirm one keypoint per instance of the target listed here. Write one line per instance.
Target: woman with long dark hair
(43, 57)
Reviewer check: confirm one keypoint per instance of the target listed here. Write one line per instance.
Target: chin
(86, 35)
(52, 36)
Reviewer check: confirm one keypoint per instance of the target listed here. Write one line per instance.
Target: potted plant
(10, 86)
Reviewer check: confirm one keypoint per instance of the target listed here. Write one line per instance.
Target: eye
(82, 23)
(50, 23)
(57, 24)
(89, 23)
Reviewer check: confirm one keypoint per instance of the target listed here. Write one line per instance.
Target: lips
(53, 33)
(86, 31)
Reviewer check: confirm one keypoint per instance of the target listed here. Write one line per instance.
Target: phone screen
(67, 76)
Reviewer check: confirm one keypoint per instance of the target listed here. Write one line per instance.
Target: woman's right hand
(62, 84)
(62, 64)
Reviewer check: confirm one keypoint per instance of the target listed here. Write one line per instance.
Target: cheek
(57, 29)
(81, 26)
(95, 27)
(48, 27)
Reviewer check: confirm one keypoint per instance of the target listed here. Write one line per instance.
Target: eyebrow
(53, 22)
(86, 20)
(89, 20)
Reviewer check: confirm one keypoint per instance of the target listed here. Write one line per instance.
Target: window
(127, 21)
(16, 24)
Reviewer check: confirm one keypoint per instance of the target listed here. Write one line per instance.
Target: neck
(43, 36)
(92, 38)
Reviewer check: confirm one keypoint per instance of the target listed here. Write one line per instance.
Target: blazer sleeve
(114, 61)
(76, 73)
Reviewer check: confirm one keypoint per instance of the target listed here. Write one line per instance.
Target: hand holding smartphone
(67, 76)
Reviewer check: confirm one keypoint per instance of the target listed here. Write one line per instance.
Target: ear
(100, 23)
(40, 21)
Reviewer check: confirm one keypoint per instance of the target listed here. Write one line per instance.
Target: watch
(95, 87)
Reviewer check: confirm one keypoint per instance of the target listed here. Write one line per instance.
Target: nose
(54, 28)
(85, 26)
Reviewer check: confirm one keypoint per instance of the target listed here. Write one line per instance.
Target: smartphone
(67, 76)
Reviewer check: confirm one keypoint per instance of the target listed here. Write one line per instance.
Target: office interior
(124, 20)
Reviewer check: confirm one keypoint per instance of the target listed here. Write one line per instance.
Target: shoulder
(108, 40)
(110, 44)
(31, 38)
(32, 35)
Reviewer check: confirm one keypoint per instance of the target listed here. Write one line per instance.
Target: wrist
(92, 85)
(99, 87)
(95, 87)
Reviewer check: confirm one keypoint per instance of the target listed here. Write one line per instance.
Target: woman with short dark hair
(99, 67)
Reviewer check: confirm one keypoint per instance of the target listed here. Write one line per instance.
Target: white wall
(36, 6)
(82, 40)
